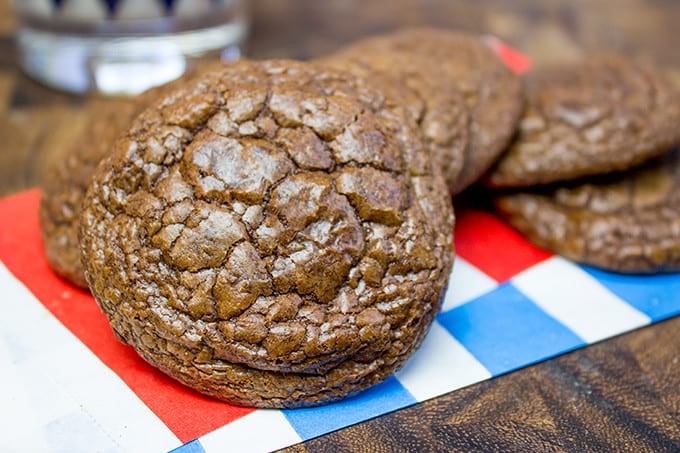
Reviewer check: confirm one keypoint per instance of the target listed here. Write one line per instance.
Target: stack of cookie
(278, 233)
(465, 100)
(271, 234)
(593, 174)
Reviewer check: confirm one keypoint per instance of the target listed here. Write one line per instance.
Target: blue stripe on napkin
(190, 447)
(657, 296)
(377, 400)
(505, 330)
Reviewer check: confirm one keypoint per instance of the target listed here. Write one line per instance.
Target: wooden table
(619, 395)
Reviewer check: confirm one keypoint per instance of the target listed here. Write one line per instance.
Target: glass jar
(123, 47)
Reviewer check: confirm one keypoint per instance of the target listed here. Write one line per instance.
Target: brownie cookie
(626, 222)
(492, 93)
(66, 181)
(272, 234)
(426, 92)
(69, 174)
(601, 115)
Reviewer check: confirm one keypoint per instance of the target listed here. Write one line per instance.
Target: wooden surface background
(622, 395)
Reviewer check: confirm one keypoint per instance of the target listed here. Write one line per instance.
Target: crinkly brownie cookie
(625, 222)
(424, 90)
(272, 234)
(593, 117)
(448, 61)
(66, 182)
(68, 176)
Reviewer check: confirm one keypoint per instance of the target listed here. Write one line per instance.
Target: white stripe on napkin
(441, 365)
(577, 300)
(262, 430)
(466, 283)
(60, 388)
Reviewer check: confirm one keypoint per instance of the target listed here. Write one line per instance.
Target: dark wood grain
(617, 396)
(620, 395)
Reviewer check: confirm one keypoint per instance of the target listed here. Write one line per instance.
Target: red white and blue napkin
(68, 385)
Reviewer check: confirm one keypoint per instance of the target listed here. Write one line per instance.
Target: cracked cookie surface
(601, 115)
(271, 234)
(424, 90)
(627, 222)
(66, 181)
(64, 187)
(456, 62)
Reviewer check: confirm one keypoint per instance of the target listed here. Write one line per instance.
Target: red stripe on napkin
(186, 413)
(492, 246)
(516, 61)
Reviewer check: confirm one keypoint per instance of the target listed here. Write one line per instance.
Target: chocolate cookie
(272, 234)
(66, 182)
(601, 115)
(69, 174)
(426, 92)
(491, 92)
(626, 222)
